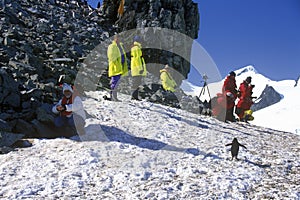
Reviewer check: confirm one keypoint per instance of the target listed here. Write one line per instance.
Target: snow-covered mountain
(280, 116)
(141, 150)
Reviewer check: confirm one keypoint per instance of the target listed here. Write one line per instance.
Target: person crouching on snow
(170, 86)
(167, 81)
(70, 110)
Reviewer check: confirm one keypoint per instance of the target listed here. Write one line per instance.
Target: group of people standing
(117, 67)
(225, 105)
(70, 107)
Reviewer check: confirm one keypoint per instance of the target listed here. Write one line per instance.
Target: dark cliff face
(42, 40)
(269, 96)
(181, 16)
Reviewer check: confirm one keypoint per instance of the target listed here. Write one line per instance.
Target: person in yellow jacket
(117, 65)
(168, 83)
(138, 66)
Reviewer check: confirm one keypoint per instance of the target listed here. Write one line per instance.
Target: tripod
(205, 107)
(205, 86)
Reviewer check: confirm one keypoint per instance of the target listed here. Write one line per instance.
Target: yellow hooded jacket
(138, 66)
(167, 81)
(115, 66)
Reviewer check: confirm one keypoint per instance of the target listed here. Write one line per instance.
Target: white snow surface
(280, 116)
(140, 150)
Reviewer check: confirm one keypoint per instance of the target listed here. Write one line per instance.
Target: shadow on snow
(113, 134)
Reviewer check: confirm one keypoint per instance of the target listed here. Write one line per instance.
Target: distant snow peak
(249, 68)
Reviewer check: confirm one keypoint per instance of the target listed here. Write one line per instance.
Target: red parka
(226, 100)
(230, 85)
(245, 100)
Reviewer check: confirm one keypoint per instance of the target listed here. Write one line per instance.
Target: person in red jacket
(230, 83)
(245, 99)
(224, 105)
(230, 91)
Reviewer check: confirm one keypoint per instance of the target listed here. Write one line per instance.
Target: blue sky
(263, 33)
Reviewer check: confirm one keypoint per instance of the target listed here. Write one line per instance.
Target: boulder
(50, 131)
(24, 127)
(8, 138)
(4, 126)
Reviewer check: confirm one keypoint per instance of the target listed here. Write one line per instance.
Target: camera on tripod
(205, 106)
(205, 78)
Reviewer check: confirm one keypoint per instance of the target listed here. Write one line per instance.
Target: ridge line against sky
(262, 33)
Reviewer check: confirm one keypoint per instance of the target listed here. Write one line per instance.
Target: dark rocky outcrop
(269, 96)
(43, 40)
(8, 139)
(181, 16)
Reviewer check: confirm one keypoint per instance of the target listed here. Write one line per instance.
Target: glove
(141, 71)
(229, 94)
(253, 86)
(61, 108)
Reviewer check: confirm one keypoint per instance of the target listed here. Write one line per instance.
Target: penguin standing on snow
(235, 148)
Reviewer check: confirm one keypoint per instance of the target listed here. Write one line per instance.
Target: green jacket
(167, 81)
(115, 66)
(138, 66)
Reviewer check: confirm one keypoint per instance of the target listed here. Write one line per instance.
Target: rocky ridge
(43, 41)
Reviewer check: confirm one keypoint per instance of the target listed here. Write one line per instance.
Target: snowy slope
(140, 150)
(282, 115)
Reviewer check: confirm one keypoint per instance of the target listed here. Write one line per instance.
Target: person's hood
(163, 70)
(67, 87)
(137, 44)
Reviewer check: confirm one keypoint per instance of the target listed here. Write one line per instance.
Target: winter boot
(114, 95)
(135, 95)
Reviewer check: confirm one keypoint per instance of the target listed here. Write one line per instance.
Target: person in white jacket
(70, 110)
